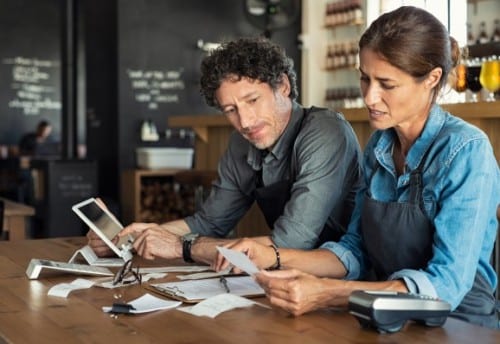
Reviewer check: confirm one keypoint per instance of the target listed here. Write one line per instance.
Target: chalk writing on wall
(75, 185)
(33, 83)
(153, 87)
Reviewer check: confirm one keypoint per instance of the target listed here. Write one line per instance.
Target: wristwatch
(187, 241)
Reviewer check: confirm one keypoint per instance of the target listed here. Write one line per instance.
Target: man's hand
(263, 256)
(152, 240)
(98, 245)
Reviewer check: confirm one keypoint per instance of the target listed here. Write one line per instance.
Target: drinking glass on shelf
(490, 77)
(459, 81)
(472, 78)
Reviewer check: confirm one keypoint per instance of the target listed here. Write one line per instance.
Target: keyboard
(36, 266)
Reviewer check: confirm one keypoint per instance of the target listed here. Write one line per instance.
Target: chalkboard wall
(158, 59)
(141, 61)
(30, 67)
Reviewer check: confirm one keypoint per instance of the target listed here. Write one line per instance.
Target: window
(456, 25)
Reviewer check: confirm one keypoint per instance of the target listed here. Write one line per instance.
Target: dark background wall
(156, 69)
(30, 67)
(133, 60)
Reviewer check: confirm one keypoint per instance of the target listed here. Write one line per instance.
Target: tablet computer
(105, 225)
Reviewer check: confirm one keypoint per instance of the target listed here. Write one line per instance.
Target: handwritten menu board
(154, 87)
(31, 82)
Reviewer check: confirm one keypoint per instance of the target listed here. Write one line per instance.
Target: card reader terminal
(388, 311)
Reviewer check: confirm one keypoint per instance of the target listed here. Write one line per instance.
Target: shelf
(484, 115)
(132, 184)
(486, 49)
(468, 111)
(354, 23)
(349, 68)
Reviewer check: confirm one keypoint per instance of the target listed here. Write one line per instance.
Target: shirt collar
(284, 143)
(432, 127)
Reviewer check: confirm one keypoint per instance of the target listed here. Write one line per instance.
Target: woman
(426, 222)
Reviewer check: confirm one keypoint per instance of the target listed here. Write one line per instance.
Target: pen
(223, 281)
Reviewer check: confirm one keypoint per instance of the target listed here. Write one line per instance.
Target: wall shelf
(484, 115)
(486, 49)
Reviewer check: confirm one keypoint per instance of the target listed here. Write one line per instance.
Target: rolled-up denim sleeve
(417, 282)
(351, 263)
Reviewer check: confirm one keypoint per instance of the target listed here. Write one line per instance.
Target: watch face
(190, 237)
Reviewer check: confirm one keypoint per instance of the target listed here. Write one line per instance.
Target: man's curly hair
(255, 58)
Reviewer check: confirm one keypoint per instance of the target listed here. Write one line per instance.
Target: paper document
(202, 275)
(197, 290)
(144, 304)
(63, 289)
(215, 305)
(181, 268)
(239, 259)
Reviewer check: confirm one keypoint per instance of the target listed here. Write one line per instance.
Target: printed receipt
(63, 289)
(215, 305)
(239, 259)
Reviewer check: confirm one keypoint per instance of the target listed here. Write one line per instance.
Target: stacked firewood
(163, 200)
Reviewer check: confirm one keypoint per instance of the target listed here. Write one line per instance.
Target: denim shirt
(461, 193)
(324, 153)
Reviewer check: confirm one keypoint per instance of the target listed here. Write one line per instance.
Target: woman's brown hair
(414, 41)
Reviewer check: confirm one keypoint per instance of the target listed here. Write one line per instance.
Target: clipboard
(194, 291)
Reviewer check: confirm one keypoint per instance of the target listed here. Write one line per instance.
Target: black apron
(272, 198)
(399, 236)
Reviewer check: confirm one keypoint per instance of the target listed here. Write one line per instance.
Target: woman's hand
(298, 292)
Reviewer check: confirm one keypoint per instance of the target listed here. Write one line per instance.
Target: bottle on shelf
(149, 131)
(343, 55)
(358, 12)
(483, 35)
(352, 58)
(343, 12)
(328, 14)
(470, 36)
(329, 58)
(343, 98)
(336, 56)
(495, 37)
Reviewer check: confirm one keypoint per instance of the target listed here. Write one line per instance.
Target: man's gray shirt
(321, 151)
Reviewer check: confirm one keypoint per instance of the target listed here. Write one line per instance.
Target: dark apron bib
(399, 236)
(272, 199)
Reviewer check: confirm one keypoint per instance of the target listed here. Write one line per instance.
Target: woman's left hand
(298, 292)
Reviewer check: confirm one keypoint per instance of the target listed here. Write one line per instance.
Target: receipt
(215, 305)
(239, 259)
(63, 289)
(146, 303)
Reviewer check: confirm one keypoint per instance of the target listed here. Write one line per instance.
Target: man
(302, 166)
(33, 143)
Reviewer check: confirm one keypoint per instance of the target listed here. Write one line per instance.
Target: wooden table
(15, 219)
(29, 315)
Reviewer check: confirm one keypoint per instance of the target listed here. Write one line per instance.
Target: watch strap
(186, 250)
